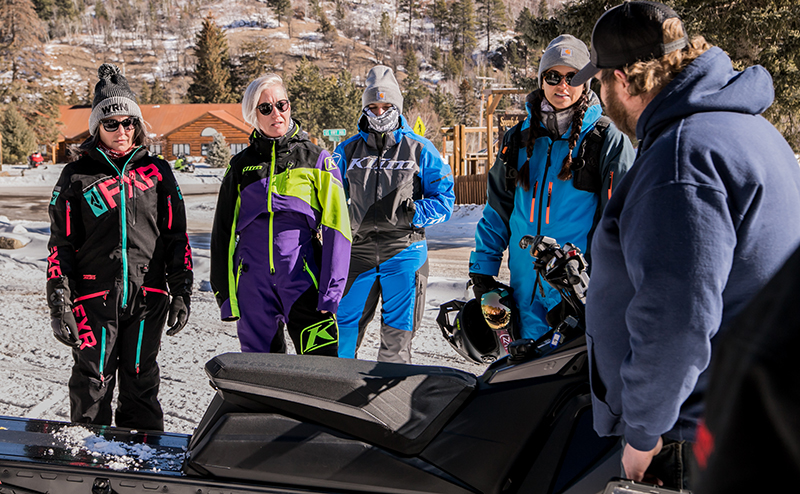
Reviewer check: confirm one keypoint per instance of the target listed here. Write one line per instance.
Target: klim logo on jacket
(371, 163)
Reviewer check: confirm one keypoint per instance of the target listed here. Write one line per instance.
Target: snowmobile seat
(395, 406)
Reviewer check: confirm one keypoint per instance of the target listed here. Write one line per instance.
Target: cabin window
(238, 148)
(179, 149)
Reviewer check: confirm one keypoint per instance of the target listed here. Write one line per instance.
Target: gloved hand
(65, 328)
(411, 209)
(178, 314)
(482, 283)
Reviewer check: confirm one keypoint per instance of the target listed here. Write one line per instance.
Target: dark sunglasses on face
(113, 125)
(554, 78)
(266, 108)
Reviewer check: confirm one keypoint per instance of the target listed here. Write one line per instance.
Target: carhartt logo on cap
(381, 96)
(566, 52)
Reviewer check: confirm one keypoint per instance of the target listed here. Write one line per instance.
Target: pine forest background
(445, 52)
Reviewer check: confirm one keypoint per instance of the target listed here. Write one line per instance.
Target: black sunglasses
(113, 125)
(266, 108)
(554, 78)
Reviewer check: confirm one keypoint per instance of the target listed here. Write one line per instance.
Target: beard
(623, 119)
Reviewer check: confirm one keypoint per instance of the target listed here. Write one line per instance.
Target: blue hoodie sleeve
(437, 187)
(678, 264)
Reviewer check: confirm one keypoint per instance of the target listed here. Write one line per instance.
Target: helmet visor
(495, 312)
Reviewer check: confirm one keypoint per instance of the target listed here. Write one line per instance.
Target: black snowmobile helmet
(469, 335)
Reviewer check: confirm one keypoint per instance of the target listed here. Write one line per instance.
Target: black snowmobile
(300, 424)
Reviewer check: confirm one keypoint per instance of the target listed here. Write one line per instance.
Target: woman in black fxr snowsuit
(119, 258)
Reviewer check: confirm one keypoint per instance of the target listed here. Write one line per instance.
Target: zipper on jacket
(539, 219)
(155, 290)
(102, 355)
(533, 199)
(104, 294)
(377, 170)
(541, 198)
(123, 222)
(69, 225)
(238, 273)
(169, 212)
(270, 185)
(308, 270)
(139, 345)
(549, 198)
(610, 183)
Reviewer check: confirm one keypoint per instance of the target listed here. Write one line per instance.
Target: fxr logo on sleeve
(84, 330)
(53, 264)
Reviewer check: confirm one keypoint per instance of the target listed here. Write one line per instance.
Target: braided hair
(577, 122)
(534, 101)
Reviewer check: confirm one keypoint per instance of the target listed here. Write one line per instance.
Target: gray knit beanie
(112, 97)
(382, 87)
(564, 50)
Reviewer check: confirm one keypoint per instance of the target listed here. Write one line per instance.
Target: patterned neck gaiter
(390, 120)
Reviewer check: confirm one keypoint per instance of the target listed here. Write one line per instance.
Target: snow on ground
(35, 368)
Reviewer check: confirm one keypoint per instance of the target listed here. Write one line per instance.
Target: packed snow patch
(115, 455)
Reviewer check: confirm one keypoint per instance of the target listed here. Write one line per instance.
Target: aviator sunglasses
(554, 78)
(113, 125)
(266, 108)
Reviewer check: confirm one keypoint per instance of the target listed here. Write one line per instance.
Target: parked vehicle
(35, 160)
(298, 424)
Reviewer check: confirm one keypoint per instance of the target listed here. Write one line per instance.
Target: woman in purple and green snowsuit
(280, 245)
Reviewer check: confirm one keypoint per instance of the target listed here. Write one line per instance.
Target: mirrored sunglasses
(554, 78)
(113, 125)
(266, 108)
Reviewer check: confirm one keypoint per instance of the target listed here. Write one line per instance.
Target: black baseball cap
(628, 33)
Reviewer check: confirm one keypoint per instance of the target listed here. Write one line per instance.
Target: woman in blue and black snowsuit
(280, 244)
(548, 180)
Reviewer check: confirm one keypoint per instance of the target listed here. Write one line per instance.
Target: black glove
(178, 314)
(65, 328)
(411, 209)
(482, 283)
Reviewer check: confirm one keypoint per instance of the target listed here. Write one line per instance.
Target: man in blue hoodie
(705, 216)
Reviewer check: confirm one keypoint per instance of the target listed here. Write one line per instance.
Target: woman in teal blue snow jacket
(554, 192)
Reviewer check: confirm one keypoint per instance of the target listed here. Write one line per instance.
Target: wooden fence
(470, 189)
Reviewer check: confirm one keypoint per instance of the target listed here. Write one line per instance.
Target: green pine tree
(144, 93)
(463, 30)
(21, 37)
(466, 107)
(305, 87)
(492, 18)
(219, 154)
(158, 95)
(410, 8)
(19, 140)
(342, 103)
(415, 91)
(444, 105)
(255, 60)
(281, 8)
(327, 29)
(439, 12)
(211, 80)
